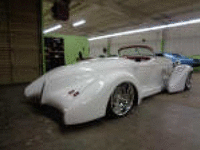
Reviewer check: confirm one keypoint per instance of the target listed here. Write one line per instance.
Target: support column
(163, 39)
(108, 46)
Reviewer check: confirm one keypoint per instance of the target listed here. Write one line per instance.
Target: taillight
(75, 93)
(71, 92)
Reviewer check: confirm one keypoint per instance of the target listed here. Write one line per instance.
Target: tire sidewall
(186, 85)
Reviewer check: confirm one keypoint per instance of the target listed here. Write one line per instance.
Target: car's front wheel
(122, 100)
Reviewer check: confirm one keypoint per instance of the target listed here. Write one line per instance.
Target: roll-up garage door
(19, 44)
(5, 49)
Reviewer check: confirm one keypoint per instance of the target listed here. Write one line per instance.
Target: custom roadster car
(112, 86)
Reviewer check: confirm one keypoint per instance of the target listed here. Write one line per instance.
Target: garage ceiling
(108, 16)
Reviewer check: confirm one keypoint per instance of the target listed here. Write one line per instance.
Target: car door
(149, 73)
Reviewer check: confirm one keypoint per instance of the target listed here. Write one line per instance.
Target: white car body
(96, 79)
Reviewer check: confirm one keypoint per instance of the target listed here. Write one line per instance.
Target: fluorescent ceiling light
(76, 24)
(52, 29)
(146, 29)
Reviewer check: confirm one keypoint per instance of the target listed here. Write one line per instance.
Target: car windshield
(177, 55)
(136, 51)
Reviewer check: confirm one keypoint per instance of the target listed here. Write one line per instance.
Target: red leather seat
(137, 58)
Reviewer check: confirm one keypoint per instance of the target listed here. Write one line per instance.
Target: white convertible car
(94, 88)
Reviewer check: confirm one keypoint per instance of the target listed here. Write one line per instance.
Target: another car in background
(180, 59)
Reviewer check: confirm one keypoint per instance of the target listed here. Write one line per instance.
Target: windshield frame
(136, 46)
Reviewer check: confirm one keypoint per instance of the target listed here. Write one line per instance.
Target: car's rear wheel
(122, 100)
(188, 82)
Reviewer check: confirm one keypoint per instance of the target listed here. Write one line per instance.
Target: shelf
(56, 52)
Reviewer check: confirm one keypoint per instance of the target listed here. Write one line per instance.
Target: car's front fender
(178, 77)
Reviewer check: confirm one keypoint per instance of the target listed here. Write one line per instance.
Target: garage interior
(163, 121)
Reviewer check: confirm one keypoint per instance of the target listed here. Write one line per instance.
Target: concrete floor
(161, 122)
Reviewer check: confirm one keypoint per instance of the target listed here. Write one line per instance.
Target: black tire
(188, 82)
(122, 100)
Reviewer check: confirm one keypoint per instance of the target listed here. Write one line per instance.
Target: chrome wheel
(122, 99)
(188, 82)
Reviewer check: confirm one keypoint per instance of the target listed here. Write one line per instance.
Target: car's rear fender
(91, 103)
(105, 85)
(35, 88)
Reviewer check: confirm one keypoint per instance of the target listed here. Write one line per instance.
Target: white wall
(185, 46)
(184, 40)
(96, 47)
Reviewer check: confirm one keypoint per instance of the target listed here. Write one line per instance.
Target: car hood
(186, 60)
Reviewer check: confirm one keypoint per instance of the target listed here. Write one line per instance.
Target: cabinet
(54, 52)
